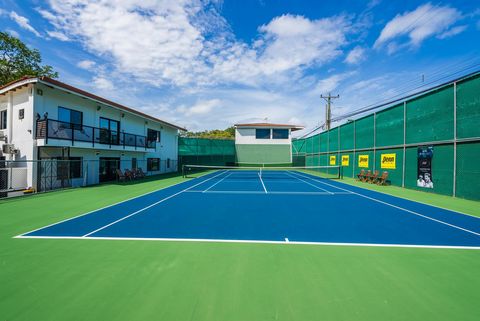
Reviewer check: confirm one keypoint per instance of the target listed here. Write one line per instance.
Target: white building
(264, 143)
(44, 119)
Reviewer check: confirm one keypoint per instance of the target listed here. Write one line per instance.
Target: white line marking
(217, 182)
(288, 173)
(261, 180)
(269, 192)
(415, 201)
(149, 206)
(101, 208)
(250, 241)
(398, 207)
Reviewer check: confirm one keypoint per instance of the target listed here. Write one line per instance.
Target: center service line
(261, 180)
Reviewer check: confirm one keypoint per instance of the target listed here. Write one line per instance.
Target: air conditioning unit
(9, 149)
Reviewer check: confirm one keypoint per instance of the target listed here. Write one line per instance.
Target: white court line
(261, 180)
(217, 182)
(251, 241)
(397, 207)
(270, 192)
(288, 173)
(102, 208)
(149, 206)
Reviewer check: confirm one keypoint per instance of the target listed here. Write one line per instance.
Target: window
(279, 133)
(3, 119)
(262, 133)
(70, 167)
(152, 137)
(153, 164)
(71, 116)
(134, 163)
(109, 131)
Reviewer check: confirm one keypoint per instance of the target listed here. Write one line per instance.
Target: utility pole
(328, 114)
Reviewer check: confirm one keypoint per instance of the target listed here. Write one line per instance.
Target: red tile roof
(50, 81)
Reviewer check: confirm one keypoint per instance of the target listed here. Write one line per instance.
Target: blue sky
(209, 64)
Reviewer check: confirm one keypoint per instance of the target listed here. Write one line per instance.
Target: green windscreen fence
(263, 154)
(445, 121)
(202, 151)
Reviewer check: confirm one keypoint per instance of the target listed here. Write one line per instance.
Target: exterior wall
(247, 136)
(20, 131)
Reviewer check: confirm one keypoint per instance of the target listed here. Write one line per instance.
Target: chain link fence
(33, 176)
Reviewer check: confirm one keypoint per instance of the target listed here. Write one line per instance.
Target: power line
(370, 107)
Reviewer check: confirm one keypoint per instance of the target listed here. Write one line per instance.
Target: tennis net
(331, 172)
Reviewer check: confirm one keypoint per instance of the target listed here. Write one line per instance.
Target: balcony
(54, 129)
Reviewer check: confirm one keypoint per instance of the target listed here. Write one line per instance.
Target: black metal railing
(54, 129)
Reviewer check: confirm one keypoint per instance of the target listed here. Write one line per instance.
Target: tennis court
(284, 205)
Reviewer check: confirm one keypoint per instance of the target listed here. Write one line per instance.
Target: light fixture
(99, 107)
(123, 115)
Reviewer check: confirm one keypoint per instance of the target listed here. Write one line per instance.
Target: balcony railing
(54, 129)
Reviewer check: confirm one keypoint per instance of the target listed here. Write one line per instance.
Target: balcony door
(109, 131)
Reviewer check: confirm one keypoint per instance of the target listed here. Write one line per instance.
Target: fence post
(454, 190)
(375, 141)
(354, 148)
(46, 132)
(404, 141)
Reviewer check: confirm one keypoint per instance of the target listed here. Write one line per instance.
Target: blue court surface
(275, 207)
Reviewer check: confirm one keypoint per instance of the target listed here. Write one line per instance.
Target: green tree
(228, 133)
(17, 60)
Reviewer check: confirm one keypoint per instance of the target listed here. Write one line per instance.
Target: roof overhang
(269, 125)
(79, 92)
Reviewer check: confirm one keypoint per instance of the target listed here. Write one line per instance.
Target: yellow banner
(345, 160)
(363, 161)
(333, 160)
(388, 161)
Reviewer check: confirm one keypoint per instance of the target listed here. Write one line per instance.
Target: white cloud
(204, 76)
(426, 21)
(355, 56)
(452, 32)
(187, 42)
(58, 35)
(23, 23)
(86, 64)
(201, 107)
(13, 33)
(103, 83)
